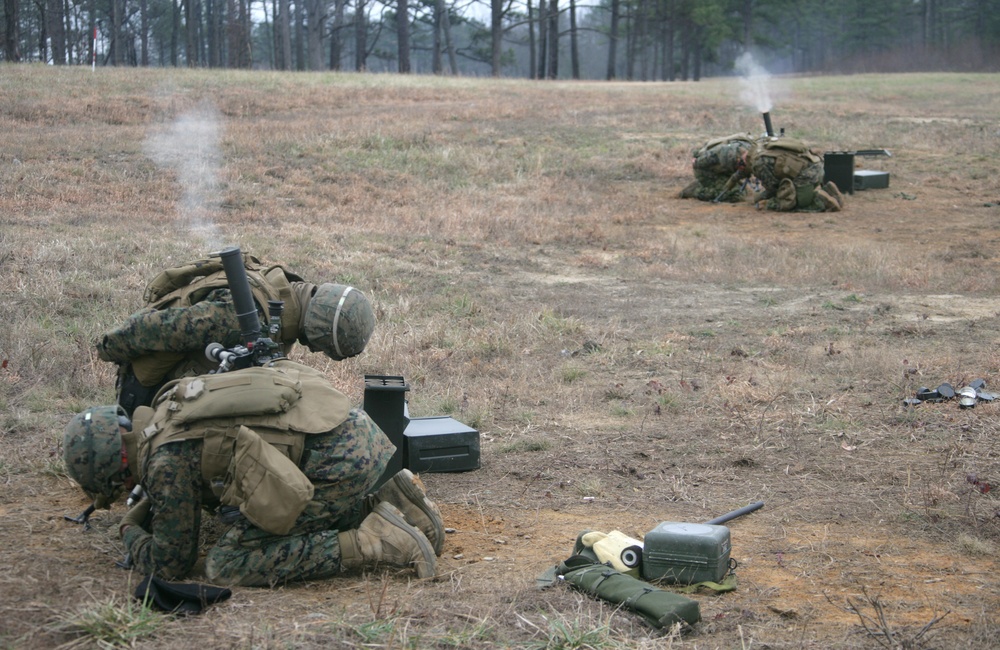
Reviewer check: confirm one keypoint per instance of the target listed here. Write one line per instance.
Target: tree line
(579, 39)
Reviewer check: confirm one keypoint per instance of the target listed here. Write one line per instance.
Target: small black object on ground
(968, 396)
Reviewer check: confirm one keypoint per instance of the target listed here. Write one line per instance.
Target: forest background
(590, 39)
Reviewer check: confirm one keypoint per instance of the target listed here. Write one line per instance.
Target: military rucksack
(790, 156)
(189, 283)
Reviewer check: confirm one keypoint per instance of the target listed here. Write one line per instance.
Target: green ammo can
(686, 553)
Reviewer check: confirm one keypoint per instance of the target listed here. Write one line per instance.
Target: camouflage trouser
(343, 466)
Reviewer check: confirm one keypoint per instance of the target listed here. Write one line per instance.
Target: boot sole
(427, 567)
(404, 481)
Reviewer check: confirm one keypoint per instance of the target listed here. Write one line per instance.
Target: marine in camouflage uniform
(191, 305)
(791, 177)
(714, 164)
(343, 465)
(342, 525)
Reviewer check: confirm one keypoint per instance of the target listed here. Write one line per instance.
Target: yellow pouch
(623, 552)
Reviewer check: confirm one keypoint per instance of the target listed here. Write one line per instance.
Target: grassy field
(628, 357)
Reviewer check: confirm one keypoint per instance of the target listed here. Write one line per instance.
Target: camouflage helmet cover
(338, 321)
(92, 451)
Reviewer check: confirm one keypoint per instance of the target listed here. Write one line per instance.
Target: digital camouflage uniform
(790, 175)
(343, 464)
(190, 306)
(713, 165)
(184, 331)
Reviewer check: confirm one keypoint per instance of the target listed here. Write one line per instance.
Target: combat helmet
(338, 321)
(92, 451)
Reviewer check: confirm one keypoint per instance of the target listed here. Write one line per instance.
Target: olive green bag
(658, 607)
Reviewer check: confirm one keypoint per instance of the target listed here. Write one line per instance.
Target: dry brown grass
(535, 276)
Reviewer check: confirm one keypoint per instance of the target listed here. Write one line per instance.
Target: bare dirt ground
(695, 397)
(831, 528)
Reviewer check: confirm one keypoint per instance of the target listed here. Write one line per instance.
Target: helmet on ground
(92, 451)
(339, 321)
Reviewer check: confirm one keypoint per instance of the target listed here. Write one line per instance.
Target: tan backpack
(790, 156)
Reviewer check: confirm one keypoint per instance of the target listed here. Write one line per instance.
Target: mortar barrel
(739, 512)
(767, 125)
(239, 287)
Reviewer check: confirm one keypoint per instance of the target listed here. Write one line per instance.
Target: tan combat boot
(831, 188)
(829, 203)
(384, 536)
(787, 197)
(406, 492)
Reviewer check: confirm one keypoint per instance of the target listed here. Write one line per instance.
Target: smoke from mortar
(189, 147)
(755, 83)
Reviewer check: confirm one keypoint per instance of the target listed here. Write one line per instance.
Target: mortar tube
(739, 512)
(239, 287)
(767, 124)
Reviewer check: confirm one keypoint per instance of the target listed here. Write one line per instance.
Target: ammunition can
(686, 553)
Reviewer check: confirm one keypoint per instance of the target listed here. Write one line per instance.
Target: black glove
(136, 516)
(179, 598)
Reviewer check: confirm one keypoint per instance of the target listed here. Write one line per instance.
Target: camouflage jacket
(189, 307)
(718, 159)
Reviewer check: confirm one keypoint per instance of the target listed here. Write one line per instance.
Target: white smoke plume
(755, 83)
(189, 147)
